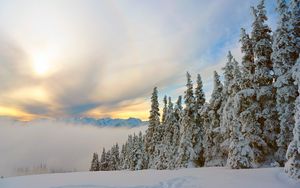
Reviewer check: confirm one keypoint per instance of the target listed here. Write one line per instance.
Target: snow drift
(186, 178)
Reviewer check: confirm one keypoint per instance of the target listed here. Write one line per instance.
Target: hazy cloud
(102, 53)
(58, 145)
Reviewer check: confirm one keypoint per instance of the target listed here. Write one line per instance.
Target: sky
(73, 58)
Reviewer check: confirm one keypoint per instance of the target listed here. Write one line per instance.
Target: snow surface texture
(187, 178)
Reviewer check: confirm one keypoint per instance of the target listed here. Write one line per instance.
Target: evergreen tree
(103, 161)
(228, 75)
(170, 119)
(168, 146)
(239, 150)
(199, 129)
(154, 122)
(127, 151)
(139, 152)
(161, 162)
(108, 160)
(213, 138)
(134, 157)
(130, 164)
(199, 93)
(292, 166)
(295, 23)
(166, 143)
(186, 153)
(159, 154)
(261, 36)
(95, 163)
(286, 92)
(248, 67)
(177, 115)
(207, 142)
(246, 135)
(163, 119)
(232, 81)
(122, 157)
(265, 93)
(114, 164)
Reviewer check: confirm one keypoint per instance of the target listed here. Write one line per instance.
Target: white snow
(214, 177)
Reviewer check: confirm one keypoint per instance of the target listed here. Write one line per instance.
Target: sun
(41, 64)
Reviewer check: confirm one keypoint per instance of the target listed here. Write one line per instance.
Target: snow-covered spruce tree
(103, 161)
(145, 156)
(164, 113)
(135, 153)
(177, 115)
(295, 23)
(213, 138)
(167, 146)
(292, 166)
(186, 153)
(122, 157)
(232, 82)
(161, 160)
(239, 151)
(154, 122)
(108, 159)
(198, 134)
(95, 163)
(246, 134)
(263, 83)
(261, 36)
(207, 142)
(160, 155)
(247, 60)
(114, 161)
(172, 137)
(126, 156)
(228, 75)
(129, 161)
(283, 58)
(140, 152)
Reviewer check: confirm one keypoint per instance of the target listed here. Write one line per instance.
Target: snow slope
(187, 178)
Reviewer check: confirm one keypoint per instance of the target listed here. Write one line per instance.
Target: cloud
(58, 145)
(105, 53)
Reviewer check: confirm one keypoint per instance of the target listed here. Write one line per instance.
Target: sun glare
(41, 64)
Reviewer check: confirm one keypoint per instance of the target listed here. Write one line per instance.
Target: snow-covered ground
(186, 178)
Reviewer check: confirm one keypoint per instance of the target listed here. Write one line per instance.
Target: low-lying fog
(49, 146)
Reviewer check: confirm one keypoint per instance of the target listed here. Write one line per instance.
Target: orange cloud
(17, 113)
(138, 108)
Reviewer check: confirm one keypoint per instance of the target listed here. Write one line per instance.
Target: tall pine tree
(286, 92)
(248, 66)
(154, 123)
(292, 166)
(198, 133)
(186, 153)
(95, 163)
(263, 80)
(213, 137)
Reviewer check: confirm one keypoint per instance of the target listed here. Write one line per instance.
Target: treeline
(251, 120)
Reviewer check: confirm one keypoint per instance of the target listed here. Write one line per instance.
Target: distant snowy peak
(106, 122)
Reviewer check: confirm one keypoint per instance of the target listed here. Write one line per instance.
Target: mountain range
(106, 122)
